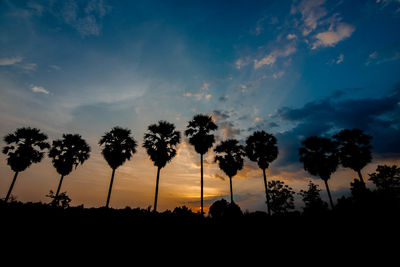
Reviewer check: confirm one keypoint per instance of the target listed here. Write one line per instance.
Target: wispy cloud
(39, 89)
(271, 58)
(384, 55)
(203, 93)
(311, 13)
(333, 36)
(8, 61)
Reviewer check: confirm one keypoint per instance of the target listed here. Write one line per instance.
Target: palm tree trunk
(109, 189)
(230, 181)
(201, 182)
(155, 198)
(59, 186)
(11, 187)
(329, 193)
(361, 177)
(266, 191)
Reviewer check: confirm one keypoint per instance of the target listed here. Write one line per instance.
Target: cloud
(271, 58)
(331, 37)
(384, 55)
(291, 36)
(311, 13)
(242, 62)
(8, 61)
(203, 93)
(39, 89)
(225, 126)
(340, 59)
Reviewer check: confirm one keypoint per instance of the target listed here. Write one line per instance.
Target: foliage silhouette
(229, 155)
(320, 158)
(59, 200)
(387, 180)
(24, 147)
(198, 131)
(281, 197)
(160, 142)
(118, 146)
(312, 200)
(68, 153)
(221, 209)
(354, 149)
(262, 148)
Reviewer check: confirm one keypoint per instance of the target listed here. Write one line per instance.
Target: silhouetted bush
(222, 209)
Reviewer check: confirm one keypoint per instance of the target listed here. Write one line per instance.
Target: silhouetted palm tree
(230, 158)
(261, 147)
(161, 141)
(354, 149)
(320, 158)
(198, 131)
(118, 146)
(67, 153)
(24, 147)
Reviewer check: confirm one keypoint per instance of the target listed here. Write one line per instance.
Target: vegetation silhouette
(229, 155)
(160, 142)
(262, 148)
(24, 147)
(198, 131)
(118, 146)
(281, 197)
(354, 149)
(319, 156)
(221, 209)
(66, 154)
(312, 200)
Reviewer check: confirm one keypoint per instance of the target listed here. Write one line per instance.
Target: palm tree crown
(261, 147)
(230, 156)
(69, 152)
(24, 147)
(118, 146)
(354, 149)
(198, 131)
(160, 142)
(319, 156)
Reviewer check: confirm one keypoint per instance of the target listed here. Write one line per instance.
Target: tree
(118, 146)
(312, 200)
(281, 197)
(387, 179)
(320, 158)
(198, 130)
(354, 149)
(68, 153)
(24, 147)
(160, 142)
(230, 159)
(221, 209)
(261, 147)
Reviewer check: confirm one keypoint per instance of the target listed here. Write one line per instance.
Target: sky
(291, 68)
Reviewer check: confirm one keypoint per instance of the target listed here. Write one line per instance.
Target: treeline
(320, 156)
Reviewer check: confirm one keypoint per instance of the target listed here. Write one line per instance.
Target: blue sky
(292, 68)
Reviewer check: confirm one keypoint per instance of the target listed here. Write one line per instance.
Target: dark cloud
(379, 117)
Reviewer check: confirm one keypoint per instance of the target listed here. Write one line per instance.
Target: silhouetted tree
(354, 149)
(281, 197)
(312, 200)
(68, 153)
(160, 142)
(261, 147)
(320, 158)
(118, 146)
(230, 159)
(222, 209)
(60, 200)
(198, 130)
(24, 147)
(387, 179)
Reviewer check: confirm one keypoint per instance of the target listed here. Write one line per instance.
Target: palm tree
(320, 158)
(24, 147)
(198, 130)
(261, 147)
(230, 158)
(161, 141)
(67, 153)
(354, 149)
(118, 146)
